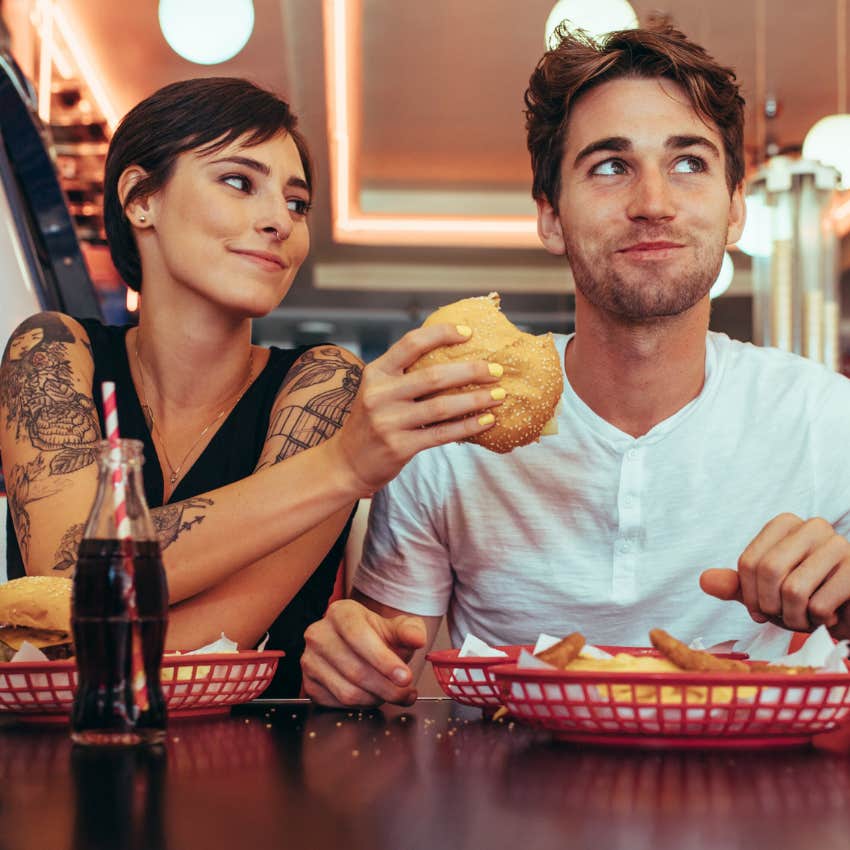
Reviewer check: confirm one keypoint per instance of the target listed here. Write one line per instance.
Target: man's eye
(237, 181)
(690, 165)
(298, 206)
(609, 167)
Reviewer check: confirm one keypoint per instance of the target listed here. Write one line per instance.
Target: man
(678, 449)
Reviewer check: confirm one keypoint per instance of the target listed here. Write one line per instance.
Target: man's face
(644, 210)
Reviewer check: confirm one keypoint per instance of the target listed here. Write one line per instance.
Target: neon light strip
(350, 223)
(90, 74)
(45, 59)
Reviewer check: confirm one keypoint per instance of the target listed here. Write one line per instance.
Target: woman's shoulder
(308, 365)
(317, 351)
(48, 331)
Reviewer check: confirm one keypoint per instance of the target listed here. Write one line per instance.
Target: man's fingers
(339, 670)
(784, 557)
(317, 692)
(753, 556)
(724, 584)
(406, 632)
(328, 686)
(369, 638)
(802, 584)
(828, 600)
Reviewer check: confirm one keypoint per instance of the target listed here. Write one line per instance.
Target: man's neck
(635, 375)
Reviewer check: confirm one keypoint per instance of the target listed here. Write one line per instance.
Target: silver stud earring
(141, 218)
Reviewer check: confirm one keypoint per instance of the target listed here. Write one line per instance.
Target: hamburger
(533, 373)
(36, 609)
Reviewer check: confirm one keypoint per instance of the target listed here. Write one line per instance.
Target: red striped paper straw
(122, 525)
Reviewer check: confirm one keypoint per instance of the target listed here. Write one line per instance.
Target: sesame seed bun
(39, 603)
(533, 376)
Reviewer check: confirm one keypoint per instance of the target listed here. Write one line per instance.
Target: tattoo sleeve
(45, 410)
(307, 425)
(171, 521)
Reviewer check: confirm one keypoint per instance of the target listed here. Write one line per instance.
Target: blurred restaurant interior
(414, 116)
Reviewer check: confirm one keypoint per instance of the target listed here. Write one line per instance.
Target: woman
(255, 457)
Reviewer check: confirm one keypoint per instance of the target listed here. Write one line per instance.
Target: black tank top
(231, 454)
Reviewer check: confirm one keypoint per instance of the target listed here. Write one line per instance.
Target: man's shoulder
(743, 360)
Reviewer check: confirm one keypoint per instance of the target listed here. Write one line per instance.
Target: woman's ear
(138, 212)
(549, 228)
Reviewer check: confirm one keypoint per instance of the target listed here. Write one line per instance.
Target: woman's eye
(298, 206)
(610, 167)
(690, 165)
(237, 181)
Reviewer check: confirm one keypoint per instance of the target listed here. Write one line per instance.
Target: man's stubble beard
(644, 294)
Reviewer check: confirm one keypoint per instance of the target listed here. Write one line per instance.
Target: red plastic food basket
(468, 680)
(193, 685)
(675, 709)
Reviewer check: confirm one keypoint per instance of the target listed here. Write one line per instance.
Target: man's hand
(795, 573)
(355, 657)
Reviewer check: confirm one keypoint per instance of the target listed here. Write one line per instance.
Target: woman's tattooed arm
(301, 426)
(170, 521)
(45, 412)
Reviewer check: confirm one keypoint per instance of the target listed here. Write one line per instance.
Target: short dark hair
(578, 63)
(199, 114)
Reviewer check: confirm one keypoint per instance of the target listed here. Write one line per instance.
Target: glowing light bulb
(206, 31)
(828, 142)
(596, 17)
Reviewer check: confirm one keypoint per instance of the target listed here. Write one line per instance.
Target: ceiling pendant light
(828, 142)
(596, 17)
(206, 31)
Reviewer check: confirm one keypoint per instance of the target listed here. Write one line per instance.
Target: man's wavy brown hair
(578, 63)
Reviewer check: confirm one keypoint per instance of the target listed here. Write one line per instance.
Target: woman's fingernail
(495, 370)
(498, 393)
(400, 675)
(486, 419)
(464, 330)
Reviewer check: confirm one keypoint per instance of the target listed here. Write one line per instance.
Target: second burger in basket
(533, 375)
(36, 609)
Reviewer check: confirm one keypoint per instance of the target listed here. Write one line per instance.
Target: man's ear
(737, 215)
(549, 228)
(138, 212)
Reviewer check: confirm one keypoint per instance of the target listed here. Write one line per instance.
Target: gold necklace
(147, 411)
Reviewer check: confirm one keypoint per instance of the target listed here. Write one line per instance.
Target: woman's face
(25, 342)
(231, 226)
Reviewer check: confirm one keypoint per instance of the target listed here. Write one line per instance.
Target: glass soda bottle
(119, 612)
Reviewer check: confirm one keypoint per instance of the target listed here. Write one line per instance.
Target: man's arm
(363, 653)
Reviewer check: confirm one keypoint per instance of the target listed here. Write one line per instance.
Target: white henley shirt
(595, 531)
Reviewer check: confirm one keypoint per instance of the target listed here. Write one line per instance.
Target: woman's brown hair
(578, 63)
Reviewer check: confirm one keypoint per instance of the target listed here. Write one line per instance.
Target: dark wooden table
(286, 775)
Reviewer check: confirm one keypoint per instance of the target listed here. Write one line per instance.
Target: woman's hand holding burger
(398, 413)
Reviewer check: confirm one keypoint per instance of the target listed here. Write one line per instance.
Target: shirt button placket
(628, 503)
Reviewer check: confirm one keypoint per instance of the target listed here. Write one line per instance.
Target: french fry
(563, 652)
(693, 659)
